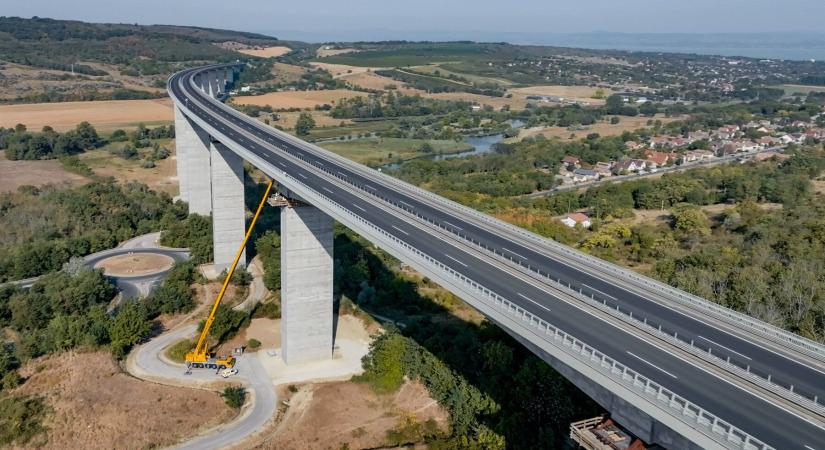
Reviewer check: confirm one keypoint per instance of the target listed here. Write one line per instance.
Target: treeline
(394, 105)
(48, 144)
(19, 143)
(52, 96)
(42, 228)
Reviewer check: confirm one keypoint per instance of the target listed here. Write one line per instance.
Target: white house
(571, 220)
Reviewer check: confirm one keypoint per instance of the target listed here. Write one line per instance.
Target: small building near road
(573, 219)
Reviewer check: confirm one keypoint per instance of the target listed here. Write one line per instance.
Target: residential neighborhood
(753, 141)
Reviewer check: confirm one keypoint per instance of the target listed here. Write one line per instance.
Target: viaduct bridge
(673, 368)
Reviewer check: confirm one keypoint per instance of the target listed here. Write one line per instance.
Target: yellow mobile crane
(200, 358)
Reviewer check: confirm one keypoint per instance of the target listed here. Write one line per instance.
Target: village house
(571, 162)
(581, 175)
(628, 166)
(603, 169)
(571, 220)
(656, 159)
(697, 155)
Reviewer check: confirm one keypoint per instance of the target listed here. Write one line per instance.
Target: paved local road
(147, 362)
(365, 193)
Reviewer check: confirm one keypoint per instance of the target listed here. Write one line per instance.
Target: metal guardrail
(813, 402)
(678, 407)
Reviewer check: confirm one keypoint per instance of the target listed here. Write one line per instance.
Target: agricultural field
(266, 52)
(581, 94)
(106, 115)
(297, 99)
(35, 173)
(603, 128)
(385, 150)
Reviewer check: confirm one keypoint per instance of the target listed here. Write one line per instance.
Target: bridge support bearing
(306, 284)
(228, 215)
(192, 149)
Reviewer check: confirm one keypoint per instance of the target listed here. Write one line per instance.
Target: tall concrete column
(181, 133)
(192, 147)
(306, 284)
(228, 214)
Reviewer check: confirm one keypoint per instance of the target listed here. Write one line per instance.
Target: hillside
(59, 60)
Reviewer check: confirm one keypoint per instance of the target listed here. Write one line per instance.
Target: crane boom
(199, 354)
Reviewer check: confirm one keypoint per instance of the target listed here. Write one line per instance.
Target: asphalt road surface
(366, 194)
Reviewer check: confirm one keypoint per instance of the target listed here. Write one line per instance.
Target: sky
(327, 20)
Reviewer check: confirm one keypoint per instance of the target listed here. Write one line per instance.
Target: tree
(305, 124)
(614, 104)
(691, 221)
(234, 396)
(128, 327)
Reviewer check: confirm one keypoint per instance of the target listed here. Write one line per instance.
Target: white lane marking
(448, 256)
(370, 187)
(402, 201)
(362, 209)
(399, 229)
(342, 174)
(650, 364)
(452, 225)
(319, 163)
(303, 176)
(282, 164)
(327, 190)
(533, 301)
(809, 447)
(600, 292)
(587, 270)
(520, 256)
(720, 345)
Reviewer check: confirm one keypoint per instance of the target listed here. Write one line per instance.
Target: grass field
(106, 115)
(581, 94)
(350, 129)
(297, 99)
(386, 150)
(604, 128)
(163, 177)
(791, 89)
(14, 174)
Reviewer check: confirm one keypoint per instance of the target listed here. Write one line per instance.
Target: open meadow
(105, 115)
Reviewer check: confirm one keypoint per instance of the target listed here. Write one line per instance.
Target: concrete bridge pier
(306, 284)
(228, 213)
(193, 162)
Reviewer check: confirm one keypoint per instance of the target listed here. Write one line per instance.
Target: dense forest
(145, 49)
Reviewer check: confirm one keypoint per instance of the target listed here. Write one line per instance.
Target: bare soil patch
(106, 115)
(14, 174)
(135, 264)
(298, 99)
(332, 415)
(94, 405)
(265, 52)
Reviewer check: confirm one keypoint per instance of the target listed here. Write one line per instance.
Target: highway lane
(763, 420)
(806, 380)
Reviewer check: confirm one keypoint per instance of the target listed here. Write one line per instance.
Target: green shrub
(20, 419)
(234, 396)
(253, 343)
(178, 351)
